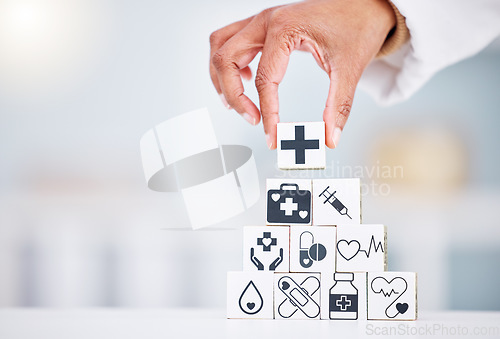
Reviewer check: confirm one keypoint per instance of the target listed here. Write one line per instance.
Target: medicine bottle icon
(343, 303)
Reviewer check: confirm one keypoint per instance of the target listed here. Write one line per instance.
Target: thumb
(338, 108)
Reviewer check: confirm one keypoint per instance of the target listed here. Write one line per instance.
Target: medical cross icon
(343, 303)
(289, 206)
(300, 145)
(266, 241)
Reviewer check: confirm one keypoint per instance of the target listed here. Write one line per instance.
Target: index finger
(219, 38)
(272, 67)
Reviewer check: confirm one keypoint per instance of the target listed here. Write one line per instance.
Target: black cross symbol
(343, 303)
(266, 247)
(300, 144)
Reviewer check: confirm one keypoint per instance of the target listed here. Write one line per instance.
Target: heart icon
(285, 285)
(250, 306)
(303, 214)
(348, 249)
(402, 307)
(275, 196)
(266, 241)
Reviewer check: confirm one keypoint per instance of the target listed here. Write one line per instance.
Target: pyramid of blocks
(314, 259)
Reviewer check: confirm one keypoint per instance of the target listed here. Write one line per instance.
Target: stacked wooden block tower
(314, 259)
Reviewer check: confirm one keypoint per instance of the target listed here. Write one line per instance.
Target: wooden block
(343, 296)
(266, 248)
(312, 248)
(289, 201)
(361, 248)
(250, 295)
(336, 201)
(297, 295)
(392, 296)
(301, 145)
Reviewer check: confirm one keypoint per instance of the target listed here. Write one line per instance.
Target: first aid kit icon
(288, 205)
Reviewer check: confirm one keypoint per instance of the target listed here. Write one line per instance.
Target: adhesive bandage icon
(299, 298)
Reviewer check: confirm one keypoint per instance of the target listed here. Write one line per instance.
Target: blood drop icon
(251, 301)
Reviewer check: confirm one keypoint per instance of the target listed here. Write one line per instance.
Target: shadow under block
(301, 145)
(312, 248)
(288, 201)
(266, 248)
(392, 296)
(343, 296)
(297, 295)
(336, 201)
(250, 295)
(361, 248)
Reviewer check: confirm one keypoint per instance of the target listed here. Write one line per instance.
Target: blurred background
(82, 80)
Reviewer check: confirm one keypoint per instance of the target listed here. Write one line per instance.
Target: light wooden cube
(289, 201)
(250, 295)
(266, 248)
(392, 296)
(301, 145)
(312, 248)
(343, 296)
(361, 248)
(297, 295)
(336, 201)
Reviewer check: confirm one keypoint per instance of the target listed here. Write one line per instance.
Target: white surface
(301, 241)
(250, 295)
(388, 289)
(347, 191)
(359, 282)
(314, 158)
(358, 248)
(250, 239)
(210, 323)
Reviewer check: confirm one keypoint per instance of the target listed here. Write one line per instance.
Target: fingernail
(336, 136)
(248, 118)
(269, 141)
(224, 101)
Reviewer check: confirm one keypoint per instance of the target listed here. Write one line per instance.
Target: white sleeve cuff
(442, 32)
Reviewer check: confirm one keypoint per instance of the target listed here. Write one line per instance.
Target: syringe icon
(332, 200)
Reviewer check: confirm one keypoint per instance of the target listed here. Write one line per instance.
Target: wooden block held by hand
(301, 145)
